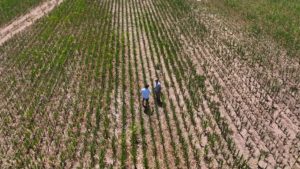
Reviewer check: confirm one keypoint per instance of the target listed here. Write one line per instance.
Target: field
(279, 19)
(70, 90)
(10, 9)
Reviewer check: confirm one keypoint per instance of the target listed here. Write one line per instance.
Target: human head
(146, 86)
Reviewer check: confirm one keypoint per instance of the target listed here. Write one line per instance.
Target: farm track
(8, 31)
(71, 94)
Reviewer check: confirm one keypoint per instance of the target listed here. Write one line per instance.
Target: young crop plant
(177, 97)
(173, 108)
(71, 89)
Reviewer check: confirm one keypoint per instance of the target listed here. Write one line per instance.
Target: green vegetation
(70, 93)
(279, 19)
(10, 9)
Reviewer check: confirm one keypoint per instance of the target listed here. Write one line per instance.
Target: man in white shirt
(146, 95)
(157, 91)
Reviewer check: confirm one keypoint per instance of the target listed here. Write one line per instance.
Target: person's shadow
(148, 110)
(159, 103)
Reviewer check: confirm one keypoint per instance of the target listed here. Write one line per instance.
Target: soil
(24, 21)
(234, 116)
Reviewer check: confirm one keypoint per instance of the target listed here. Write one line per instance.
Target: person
(157, 90)
(146, 95)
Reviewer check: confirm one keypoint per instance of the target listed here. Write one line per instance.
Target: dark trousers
(147, 102)
(157, 97)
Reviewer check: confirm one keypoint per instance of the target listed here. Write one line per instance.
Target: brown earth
(236, 116)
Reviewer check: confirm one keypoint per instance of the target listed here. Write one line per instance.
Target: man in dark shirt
(157, 91)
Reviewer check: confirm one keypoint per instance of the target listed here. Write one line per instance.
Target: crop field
(280, 19)
(70, 91)
(10, 9)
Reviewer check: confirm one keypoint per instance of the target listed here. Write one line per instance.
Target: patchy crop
(71, 92)
(276, 18)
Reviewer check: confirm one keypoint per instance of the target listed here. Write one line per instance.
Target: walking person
(157, 90)
(146, 95)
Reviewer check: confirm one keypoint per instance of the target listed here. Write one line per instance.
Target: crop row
(71, 94)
